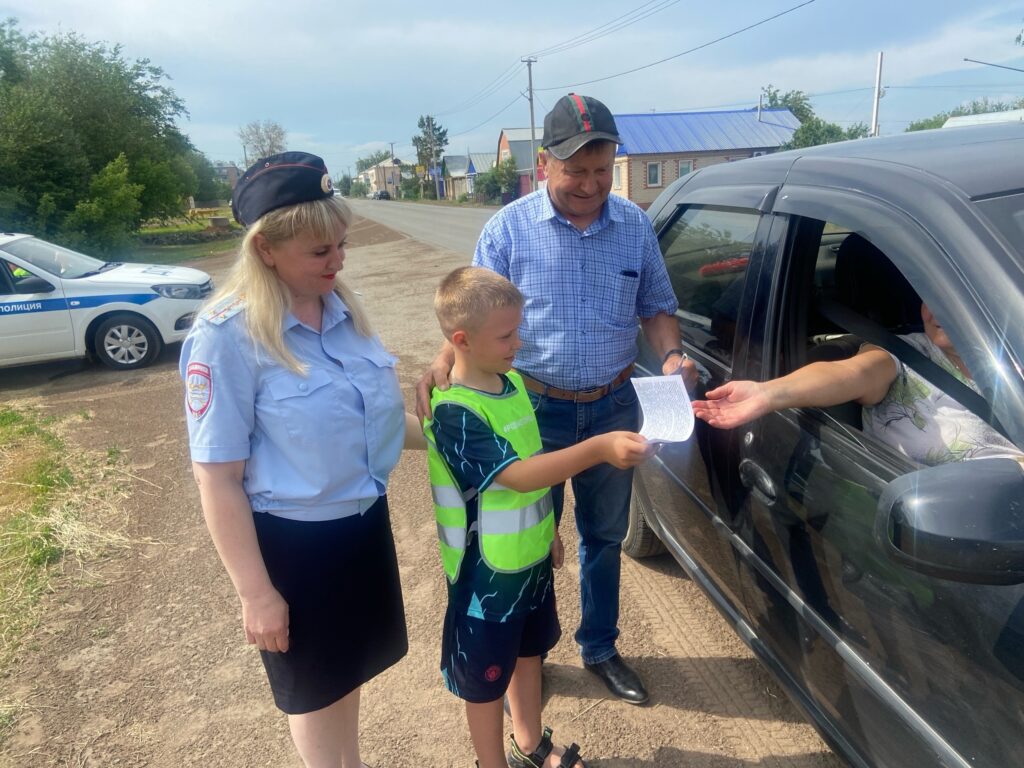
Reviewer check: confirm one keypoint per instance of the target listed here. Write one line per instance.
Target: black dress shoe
(622, 681)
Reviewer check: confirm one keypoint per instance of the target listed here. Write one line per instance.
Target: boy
(495, 520)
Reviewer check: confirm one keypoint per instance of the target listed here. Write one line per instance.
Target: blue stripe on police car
(79, 302)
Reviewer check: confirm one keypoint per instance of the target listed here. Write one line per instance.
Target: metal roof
(482, 161)
(656, 133)
(980, 160)
(456, 166)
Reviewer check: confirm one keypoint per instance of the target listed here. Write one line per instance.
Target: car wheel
(126, 341)
(641, 540)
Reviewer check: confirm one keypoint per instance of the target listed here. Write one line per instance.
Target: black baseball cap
(574, 121)
(278, 181)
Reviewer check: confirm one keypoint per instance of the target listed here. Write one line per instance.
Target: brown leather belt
(583, 395)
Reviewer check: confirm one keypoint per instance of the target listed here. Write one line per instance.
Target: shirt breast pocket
(301, 401)
(618, 302)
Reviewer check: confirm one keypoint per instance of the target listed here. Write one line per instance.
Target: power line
(485, 122)
(607, 28)
(684, 53)
(488, 90)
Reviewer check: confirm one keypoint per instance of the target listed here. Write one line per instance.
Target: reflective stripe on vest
(515, 529)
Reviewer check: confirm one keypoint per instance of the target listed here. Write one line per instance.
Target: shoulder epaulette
(224, 310)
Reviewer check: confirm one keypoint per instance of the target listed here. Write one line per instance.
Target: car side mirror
(962, 522)
(33, 284)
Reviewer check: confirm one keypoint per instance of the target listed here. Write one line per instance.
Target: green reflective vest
(515, 529)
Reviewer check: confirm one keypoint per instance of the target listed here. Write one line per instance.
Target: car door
(709, 252)
(906, 669)
(35, 323)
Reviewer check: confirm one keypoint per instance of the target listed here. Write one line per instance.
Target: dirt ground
(141, 661)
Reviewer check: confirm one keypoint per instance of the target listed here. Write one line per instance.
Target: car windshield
(58, 261)
(1007, 213)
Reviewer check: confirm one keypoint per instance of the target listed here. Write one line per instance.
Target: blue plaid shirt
(584, 290)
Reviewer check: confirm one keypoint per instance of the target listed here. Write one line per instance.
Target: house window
(654, 174)
(685, 167)
(759, 153)
(506, 154)
(617, 177)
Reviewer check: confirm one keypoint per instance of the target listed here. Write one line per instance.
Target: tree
(371, 160)
(105, 220)
(431, 141)
(262, 139)
(796, 101)
(816, 131)
(344, 185)
(974, 107)
(813, 130)
(358, 189)
(68, 109)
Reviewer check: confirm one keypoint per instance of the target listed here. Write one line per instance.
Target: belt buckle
(583, 393)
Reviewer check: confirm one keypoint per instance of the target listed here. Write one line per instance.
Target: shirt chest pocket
(615, 296)
(300, 402)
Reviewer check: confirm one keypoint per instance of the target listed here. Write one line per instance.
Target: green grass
(173, 254)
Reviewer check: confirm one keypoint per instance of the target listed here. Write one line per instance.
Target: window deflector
(980, 341)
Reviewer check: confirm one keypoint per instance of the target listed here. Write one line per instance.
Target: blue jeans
(602, 508)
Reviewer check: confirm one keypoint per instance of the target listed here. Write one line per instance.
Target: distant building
(660, 147)
(227, 173)
(1010, 116)
(516, 143)
(459, 172)
(387, 174)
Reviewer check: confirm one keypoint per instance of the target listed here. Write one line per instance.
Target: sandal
(519, 759)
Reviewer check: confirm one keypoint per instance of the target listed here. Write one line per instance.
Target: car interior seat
(867, 282)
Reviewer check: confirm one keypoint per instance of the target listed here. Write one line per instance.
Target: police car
(56, 303)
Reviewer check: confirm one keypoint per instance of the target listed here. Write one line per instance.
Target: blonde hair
(468, 295)
(267, 300)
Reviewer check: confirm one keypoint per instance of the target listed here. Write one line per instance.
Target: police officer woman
(295, 420)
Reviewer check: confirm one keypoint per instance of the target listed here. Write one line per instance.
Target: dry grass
(55, 524)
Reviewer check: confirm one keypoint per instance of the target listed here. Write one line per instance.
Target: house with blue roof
(659, 147)
(459, 172)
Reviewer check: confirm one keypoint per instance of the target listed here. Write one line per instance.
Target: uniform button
(303, 387)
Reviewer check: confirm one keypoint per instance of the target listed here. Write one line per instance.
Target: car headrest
(868, 283)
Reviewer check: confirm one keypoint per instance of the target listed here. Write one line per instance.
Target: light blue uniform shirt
(583, 290)
(316, 447)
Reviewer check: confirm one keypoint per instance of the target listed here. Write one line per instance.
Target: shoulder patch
(223, 310)
(198, 389)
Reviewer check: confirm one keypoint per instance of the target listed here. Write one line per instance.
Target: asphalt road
(450, 227)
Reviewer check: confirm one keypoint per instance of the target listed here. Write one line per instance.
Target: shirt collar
(547, 211)
(335, 312)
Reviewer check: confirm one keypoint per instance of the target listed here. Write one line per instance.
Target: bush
(107, 219)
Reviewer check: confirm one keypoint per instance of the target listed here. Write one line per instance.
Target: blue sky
(347, 78)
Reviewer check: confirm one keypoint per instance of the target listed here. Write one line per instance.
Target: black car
(381, 194)
(886, 596)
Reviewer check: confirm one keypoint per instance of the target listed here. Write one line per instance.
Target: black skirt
(346, 623)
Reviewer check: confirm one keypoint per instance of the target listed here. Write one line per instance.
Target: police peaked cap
(279, 181)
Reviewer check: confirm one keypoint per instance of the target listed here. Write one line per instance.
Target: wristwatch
(671, 352)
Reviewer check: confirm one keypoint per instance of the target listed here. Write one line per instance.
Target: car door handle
(757, 480)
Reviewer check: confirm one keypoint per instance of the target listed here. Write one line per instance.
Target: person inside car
(901, 408)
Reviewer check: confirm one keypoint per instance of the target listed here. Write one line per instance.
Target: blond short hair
(468, 295)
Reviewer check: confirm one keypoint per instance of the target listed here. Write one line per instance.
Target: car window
(58, 261)
(707, 250)
(853, 280)
(1007, 213)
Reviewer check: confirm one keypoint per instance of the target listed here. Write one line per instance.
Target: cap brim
(570, 147)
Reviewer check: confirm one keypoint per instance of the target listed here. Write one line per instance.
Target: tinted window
(706, 251)
(1007, 213)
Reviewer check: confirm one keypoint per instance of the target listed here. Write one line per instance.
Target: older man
(588, 265)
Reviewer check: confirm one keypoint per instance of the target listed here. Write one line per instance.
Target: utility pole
(433, 157)
(878, 96)
(530, 61)
(760, 102)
